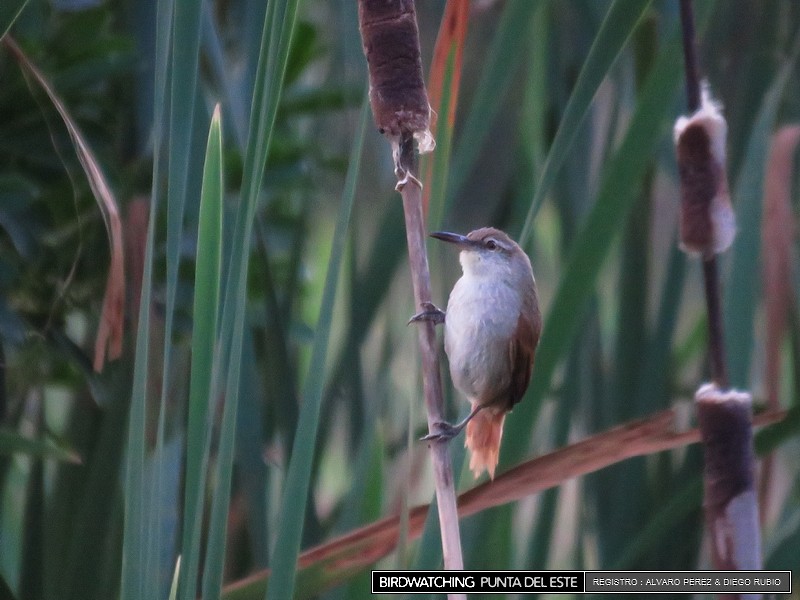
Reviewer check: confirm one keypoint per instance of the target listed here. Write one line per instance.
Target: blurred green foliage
(624, 314)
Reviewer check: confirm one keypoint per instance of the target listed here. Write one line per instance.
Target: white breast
(482, 314)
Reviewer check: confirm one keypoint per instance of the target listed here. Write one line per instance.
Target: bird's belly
(479, 324)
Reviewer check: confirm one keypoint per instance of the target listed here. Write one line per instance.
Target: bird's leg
(448, 431)
(429, 313)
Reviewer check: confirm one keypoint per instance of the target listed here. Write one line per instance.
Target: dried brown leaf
(337, 559)
(451, 36)
(109, 333)
(136, 223)
(777, 243)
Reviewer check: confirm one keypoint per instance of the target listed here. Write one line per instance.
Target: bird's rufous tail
(484, 432)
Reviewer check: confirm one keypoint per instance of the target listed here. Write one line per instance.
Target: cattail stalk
(402, 113)
(724, 415)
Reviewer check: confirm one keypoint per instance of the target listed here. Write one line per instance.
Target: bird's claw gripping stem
(445, 432)
(429, 313)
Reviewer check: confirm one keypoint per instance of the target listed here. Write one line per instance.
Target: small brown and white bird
(492, 327)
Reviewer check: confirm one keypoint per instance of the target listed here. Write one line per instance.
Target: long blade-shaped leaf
(140, 534)
(744, 283)
(279, 25)
(498, 73)
(183, 85)
(204, 342)
(621, 20)
(10, 10)
(12, 443)
(295, 494)
(621, 180)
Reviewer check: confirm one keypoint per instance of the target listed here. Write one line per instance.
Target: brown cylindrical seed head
(396, 86)
(730, 499)
(725, 425)
(707, 221)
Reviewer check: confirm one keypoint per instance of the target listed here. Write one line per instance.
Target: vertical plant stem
(401, 110)
(411, 192)
(716, 348)
(690, 56)
(724, 415)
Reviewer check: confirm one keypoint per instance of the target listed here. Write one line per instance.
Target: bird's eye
(491, 245)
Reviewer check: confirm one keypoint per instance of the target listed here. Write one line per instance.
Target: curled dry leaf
(109, 332)
(336, 560)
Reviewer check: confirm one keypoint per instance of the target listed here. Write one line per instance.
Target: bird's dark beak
(459, 240)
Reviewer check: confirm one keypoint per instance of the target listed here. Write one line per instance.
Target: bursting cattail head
(707, 220)
(396, 86)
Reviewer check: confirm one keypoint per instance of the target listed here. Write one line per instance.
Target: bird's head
(486, 252)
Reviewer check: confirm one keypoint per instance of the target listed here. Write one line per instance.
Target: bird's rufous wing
(522, 349)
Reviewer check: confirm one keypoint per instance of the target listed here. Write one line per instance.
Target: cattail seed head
(729, 497)
(396, 87)
(707, 221)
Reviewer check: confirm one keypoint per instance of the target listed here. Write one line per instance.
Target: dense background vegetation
(266, 318)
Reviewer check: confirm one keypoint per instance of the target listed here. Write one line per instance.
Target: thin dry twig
(402, 112)
(716, 345)
(432, 382)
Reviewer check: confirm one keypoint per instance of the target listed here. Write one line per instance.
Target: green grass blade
(743, 287)
(498, 73)
(533, 112)
(12, 443)
(541, 542)
(621, 20)
(183, 93)
(10, 10)
(372, 285)
(252, 472)
(620, 183)
(204, 344)
(215, 546)
(295, 494)
(135, 527)
(135, 532)
(279, 24)
(173, 590)
(679, 505)
(277, 33)
(156, 507)
(87, 560)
